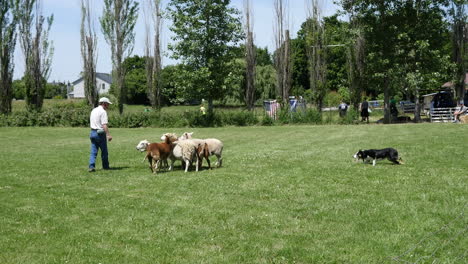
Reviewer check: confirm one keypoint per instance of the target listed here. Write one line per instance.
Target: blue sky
(65, 33)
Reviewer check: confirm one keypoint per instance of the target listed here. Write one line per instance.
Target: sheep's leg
(219, 162)
(150, 160)
(187, 164)
(196, 165)
(172, 164)
(156, 164)
(208, 161)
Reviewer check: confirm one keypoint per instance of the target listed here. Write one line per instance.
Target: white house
(103, 82)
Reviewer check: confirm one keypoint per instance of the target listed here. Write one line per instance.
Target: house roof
(102, 76)
(450, 84)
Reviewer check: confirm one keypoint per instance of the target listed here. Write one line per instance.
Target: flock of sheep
(183, 148)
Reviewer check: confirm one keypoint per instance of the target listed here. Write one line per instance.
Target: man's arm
(106, 129)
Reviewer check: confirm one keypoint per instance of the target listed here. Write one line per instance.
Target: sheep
(184, 151)
(155, 152)
(172, 136)
(203, 152)
(215, 146)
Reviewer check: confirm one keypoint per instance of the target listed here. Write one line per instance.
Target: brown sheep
(203, 152)
(155, 152)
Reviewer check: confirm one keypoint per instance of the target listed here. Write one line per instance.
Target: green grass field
(286, 194)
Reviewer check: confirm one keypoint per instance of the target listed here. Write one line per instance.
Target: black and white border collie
(374, 154)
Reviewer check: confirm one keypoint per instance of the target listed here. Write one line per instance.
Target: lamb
(215, 146)
(155, 152)
(185, 150)
(203, 152)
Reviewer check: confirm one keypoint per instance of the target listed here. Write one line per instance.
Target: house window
(103, 87)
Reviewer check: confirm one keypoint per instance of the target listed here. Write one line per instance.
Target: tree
(37, 50)
(249, 58)
(135, 80)
(283, 51)
(8, 34)
(88, 53)
(153, 54)
(117, 23)
(421, 53)
(317, 51)
(458, 12)
(402, 38)
(203, 31)
(18, 89)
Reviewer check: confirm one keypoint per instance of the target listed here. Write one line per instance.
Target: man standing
(342, 108)
(99, 134)
(364, 107)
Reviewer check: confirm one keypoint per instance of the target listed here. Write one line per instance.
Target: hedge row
(79, 117)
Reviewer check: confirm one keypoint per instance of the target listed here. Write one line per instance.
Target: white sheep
(215, 146)
(184, 150)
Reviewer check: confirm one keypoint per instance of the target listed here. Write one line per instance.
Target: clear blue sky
(65, 33)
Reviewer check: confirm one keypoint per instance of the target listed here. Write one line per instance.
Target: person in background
(393, 109)
(364, 108)
(462, 109)
(342, 108)
(99, 134)
(202, 109)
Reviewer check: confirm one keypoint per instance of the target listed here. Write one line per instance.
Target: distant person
(202, 109)
(99, 134)
(461, 111)
(393, 109)
(364, 108)
(343, 108)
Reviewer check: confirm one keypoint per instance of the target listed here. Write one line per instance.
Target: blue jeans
(98, 141)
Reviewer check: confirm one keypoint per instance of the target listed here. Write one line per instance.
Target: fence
(442, 115)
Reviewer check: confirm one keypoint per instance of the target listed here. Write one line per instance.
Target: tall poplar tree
(118, 23)
(88, 53)
(8, 34)
(250, 60)
(37, 50)
(153, 52)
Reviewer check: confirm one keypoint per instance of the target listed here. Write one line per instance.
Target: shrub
(242, 118)
(352, 117)
(267, 121)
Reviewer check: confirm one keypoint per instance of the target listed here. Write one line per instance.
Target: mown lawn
(286, 194)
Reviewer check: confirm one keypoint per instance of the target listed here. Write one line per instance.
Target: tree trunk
(387, 115)
(417, 107)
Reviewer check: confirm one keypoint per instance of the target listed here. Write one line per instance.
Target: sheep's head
(186, 135)
(172, 137)
(142, 145)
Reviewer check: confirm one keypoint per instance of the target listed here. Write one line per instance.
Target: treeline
(375, 49)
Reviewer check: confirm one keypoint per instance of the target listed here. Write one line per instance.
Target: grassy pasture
(286, 194)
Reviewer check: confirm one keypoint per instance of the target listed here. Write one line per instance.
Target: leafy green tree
(135, 80)
(203, 31)
(265, 80)
(19, 89)
(392, 30)
(55, 90)
(263, 57)
(169, 94)
(118, 23)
